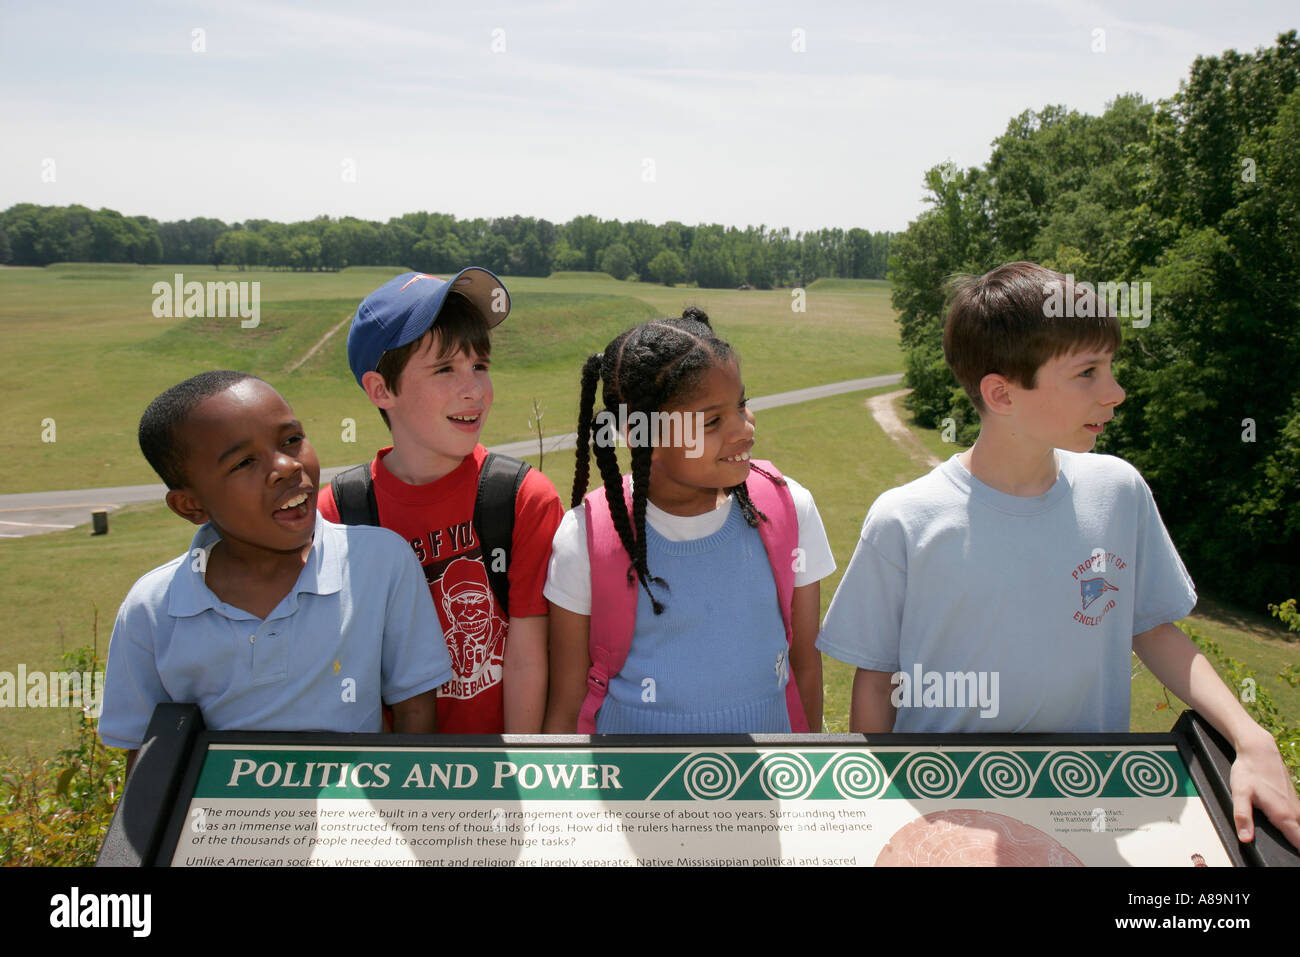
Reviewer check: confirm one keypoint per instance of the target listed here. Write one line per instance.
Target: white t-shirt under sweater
(1006, 613)
(568, 579)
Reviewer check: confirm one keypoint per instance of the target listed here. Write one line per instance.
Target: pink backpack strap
(780, 534)
(613, 602)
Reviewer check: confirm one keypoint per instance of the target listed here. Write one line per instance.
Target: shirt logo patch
(1092, 574)
(1090, 589)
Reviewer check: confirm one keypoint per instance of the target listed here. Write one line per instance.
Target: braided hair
(645, 369)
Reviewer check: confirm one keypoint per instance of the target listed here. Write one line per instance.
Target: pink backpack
(614, 598)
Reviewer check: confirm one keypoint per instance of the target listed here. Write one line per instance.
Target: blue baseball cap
(405, 307)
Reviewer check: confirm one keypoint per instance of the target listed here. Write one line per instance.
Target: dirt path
(316, 348)
(882, 410)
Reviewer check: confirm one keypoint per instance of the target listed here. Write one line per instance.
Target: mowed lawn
(86, 351)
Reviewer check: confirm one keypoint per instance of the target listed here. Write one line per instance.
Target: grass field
(84, 348)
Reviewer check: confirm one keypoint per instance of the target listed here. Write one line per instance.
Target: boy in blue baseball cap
(481, 525)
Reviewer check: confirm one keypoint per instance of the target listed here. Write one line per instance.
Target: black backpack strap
(354, 496)
(494, 519)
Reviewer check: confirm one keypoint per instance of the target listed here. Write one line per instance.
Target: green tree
(666, 268)
(395, 243)
(644, 242)
(146, 245)
(952, 237)
(492, 252)
(568, 258)
(111, 237)
(334, 247)
(22, 223)
(304, 251)
(617, 261)
(1200, 197)
(189, 240)
(241, 247)
(1214, 374)
(709, 263)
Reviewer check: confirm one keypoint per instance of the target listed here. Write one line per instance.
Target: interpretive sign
(323, 800)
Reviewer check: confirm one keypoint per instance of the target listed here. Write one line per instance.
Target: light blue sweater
(716, 661)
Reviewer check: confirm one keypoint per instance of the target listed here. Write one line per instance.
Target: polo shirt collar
(321, 575)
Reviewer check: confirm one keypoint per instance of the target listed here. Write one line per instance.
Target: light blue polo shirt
(358, 625)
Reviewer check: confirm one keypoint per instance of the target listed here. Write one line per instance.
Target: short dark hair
(160, 434)
(1000, 323)
(459, 328)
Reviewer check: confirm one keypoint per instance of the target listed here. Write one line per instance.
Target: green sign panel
(685, 775)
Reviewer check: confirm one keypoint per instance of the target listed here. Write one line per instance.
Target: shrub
(56, 811)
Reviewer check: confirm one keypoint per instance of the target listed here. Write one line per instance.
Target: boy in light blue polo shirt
(275, 619)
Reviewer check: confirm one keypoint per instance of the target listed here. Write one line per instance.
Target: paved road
(35, 513)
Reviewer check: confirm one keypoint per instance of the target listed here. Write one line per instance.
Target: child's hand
(1260, 779)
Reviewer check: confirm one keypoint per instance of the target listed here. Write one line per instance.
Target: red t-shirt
(437, 520)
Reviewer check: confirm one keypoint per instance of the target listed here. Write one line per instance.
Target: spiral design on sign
(785, 775)
(858, 775)
(1073, 775)
(710, 777)
(1146, 774)
(1004, 774)
(932, 775)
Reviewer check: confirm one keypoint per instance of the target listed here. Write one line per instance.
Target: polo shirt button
(250, 639)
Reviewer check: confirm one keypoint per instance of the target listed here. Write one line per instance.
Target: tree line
(709, 255)
(1198, 194)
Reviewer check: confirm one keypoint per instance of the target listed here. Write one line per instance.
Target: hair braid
(606, 457)
(748, 509)
(640, 493)
(586, 404)
(631, 392)
(607, 462)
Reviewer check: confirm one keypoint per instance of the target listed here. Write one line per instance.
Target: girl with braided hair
(714, 649)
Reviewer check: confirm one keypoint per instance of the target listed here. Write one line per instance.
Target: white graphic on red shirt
(475, 633)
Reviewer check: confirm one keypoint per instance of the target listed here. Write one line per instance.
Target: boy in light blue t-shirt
(1007, 589)
(275, 620)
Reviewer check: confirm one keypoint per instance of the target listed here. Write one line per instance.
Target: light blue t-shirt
(358, 625)
(1007, 613)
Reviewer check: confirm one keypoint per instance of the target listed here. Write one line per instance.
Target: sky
(803, 115)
